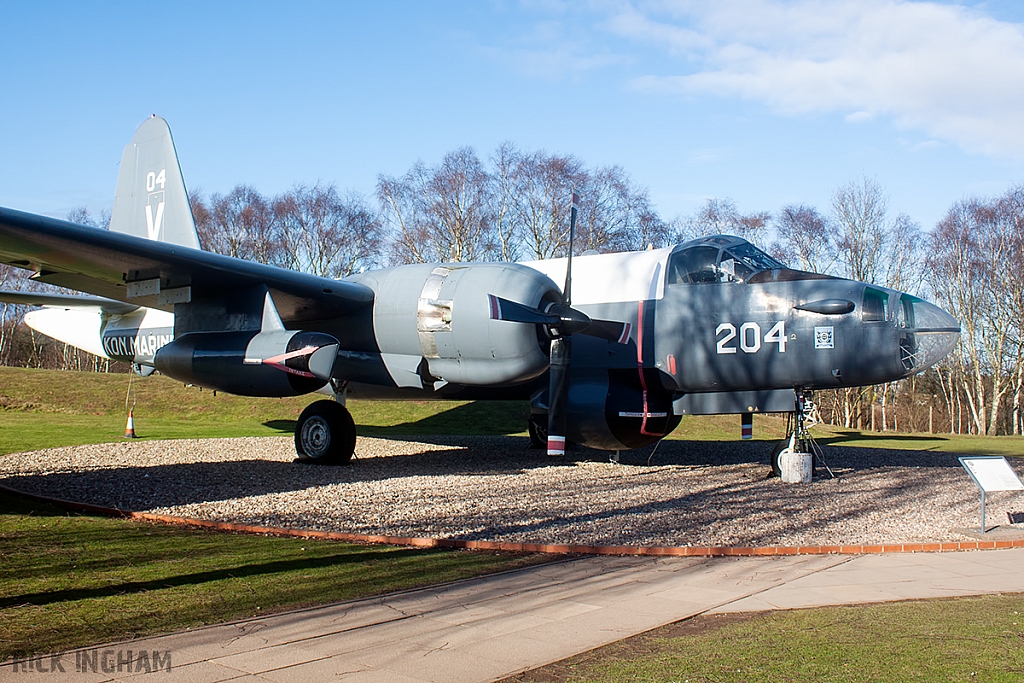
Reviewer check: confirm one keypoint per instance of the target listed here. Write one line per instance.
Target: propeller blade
(560, 320)
(574, 208)
(612, 330)
(569, 321)
(503, 309)
(558, 395)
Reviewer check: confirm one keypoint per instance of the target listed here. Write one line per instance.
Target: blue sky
(764, 102)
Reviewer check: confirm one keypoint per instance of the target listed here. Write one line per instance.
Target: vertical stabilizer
(151, 200)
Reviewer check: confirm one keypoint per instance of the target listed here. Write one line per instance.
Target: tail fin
(151, 200)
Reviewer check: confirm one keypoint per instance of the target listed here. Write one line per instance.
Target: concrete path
(488, 628)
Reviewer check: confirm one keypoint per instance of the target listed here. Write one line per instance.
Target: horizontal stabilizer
(66, 301)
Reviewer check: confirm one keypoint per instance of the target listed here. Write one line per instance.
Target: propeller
(560, 321)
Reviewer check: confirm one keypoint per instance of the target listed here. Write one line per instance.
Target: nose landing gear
(798, 424)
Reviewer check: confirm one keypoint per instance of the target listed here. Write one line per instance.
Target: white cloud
(860, 116)
(947, 70)
(708, 155)
(555, 46)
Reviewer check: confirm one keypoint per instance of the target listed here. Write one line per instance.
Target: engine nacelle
(616, 409)
(442, 314)
(278, 363)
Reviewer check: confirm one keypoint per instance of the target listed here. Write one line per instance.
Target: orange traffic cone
(129, 430)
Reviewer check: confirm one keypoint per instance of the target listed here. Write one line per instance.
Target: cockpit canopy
(719, 258)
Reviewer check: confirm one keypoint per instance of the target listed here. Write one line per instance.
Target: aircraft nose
(934, 334)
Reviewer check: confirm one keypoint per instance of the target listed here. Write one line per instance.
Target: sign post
(991, 473)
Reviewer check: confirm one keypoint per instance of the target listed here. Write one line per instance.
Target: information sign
(991, 473)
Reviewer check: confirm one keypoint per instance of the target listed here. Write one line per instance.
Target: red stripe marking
(640, 368)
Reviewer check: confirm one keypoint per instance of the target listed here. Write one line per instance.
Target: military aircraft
(611, 359)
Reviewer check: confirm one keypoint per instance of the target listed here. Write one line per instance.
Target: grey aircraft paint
(151, 200)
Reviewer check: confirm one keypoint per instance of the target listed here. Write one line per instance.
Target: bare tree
(11, 315)
(971, 250)
(202, 217)
(872, 247)
(504, 194)
(721, 217)
(442, 213)
(543, 186)
(327, 234)
(241, 224)
(806, 238)
(81, 216)
(617, 214)
(1010, 287)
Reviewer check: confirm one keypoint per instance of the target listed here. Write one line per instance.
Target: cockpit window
(875, 306)
(703, 263)
(753, 258)
(905, 314)
(695, 265)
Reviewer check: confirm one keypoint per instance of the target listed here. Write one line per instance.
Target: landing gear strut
(325, 434)
(537, 425)
(797, 424)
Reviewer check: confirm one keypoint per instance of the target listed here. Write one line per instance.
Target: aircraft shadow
(141, 487)
(477, 417)
(841, 436)
(198, 578)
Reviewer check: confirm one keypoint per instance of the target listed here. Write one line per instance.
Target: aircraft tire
(776, 452)
(802, 447)
(325, 434)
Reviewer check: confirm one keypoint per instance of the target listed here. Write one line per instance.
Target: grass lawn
(70, 580)
(926, 641)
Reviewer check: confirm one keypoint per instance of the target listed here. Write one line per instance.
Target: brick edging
(557, 549)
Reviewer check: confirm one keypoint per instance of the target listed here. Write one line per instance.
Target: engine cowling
(278, 363)
(443, 315)
(616, 409)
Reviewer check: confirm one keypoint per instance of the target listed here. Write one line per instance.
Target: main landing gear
(325, 434)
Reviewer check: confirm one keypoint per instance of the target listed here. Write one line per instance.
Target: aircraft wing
(144, 272)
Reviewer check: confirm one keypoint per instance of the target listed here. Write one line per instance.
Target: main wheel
(325, 434)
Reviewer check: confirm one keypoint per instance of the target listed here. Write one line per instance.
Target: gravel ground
(495, 488)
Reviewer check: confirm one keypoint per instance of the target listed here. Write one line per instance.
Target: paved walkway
(488, 628)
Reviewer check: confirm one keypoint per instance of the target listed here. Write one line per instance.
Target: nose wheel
(797, 427)
(325, 434)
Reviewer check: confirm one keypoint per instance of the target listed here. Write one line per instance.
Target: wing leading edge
(158, 275)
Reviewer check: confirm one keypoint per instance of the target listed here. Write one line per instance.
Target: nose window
(875, 305)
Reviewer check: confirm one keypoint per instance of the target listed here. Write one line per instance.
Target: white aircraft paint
(610, 278)
(78, 326)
